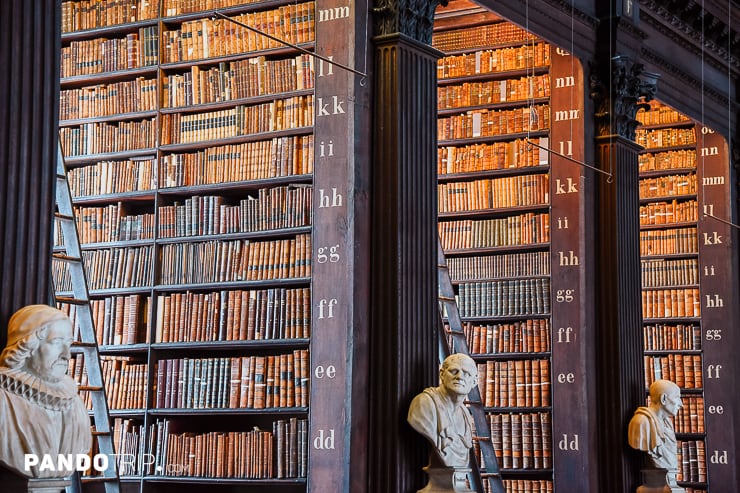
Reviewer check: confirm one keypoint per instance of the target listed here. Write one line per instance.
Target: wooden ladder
(452, 340)
(87, 344)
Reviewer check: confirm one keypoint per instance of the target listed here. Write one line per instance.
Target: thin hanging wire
(216, 13)
(533, 112)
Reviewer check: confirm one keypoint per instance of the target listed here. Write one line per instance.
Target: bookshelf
(685, 258)
(511, 219)
(190, 143)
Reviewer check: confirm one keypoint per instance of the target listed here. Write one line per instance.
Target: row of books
(104, 55)
(504, 298)
(128, 443)
(663, 186)
(656, 273)
(205, 38)
(670, 303)
(177, 7)
(281, 114)
(680, 159)
(490, 123)
(254, 382)
(131, 96)
(507, 191)
(526, 336)
(529, 56)
(493, 92)
(109, 268)
(515, 383)
(522, 440)
(669, 212)
(272, 208)
(684, 370)
(125, 381)
(664, 337)
(238, 79)
(522, 229)
(659, 114)
(91, 14)
(517, 153)
(669, 241)
(103, 137)
(119, 267)
(111, 177)
(280, 156)
(118, 320)
(494, 266)
(256, 454)
(109, 223)
(523, 486)
(480, 37)
(238, 260)
(665, 137)
(692, 463)
(236, 315)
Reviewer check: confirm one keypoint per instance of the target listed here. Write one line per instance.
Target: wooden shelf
(474, 251)
(686, 224)
(119, 117)
(228, 345)
(291, 411)
(230, 285)
(492, 213)
(78, 161)
(232, 103)
(658, 126)
(667, 198)
(489, 279)
(492, 173)
(270, 233)
(506, 105)
(226, 187)
(492, 138)
(666, 172)
(138, 196)
(241, 139)
(492, 76)
(107, 31)
(655, 150)
(77, 81)
(283, 50)
(480, 357)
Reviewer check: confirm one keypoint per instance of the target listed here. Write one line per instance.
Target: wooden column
(617, 89)
(29, 101)
(403, 323)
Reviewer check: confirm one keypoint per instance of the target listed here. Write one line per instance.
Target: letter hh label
(568, 260)
(334, 201)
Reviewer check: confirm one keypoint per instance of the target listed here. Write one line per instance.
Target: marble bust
(40, 410)
(651, 429)
(440, 415)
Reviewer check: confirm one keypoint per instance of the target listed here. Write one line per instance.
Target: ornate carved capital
(618, 91)
(414, 18)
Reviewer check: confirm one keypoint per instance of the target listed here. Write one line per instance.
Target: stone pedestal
(12, 483)
(446, 480)
(659, 481)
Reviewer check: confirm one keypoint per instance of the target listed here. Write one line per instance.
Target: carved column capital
(618, 91)
(413, 18)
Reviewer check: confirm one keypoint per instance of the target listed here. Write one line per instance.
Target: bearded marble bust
(40, 410)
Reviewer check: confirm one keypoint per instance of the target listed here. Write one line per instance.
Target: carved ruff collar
(55, 397)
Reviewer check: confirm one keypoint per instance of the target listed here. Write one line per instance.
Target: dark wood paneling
(29, 101)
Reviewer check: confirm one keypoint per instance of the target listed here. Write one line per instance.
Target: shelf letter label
(323, 303)
(568, 443)
(323, 108)
(563, 115)
(560, 187)
(564, 295)
(329, 69)
(710, 151)
(716, 410)
(714, 334)
(715, 239)
(564, 334)
(718, 458)
(326, 201)
(332, 256)
(333, 14)
(563, 223)
(713, 371)
(326, 150)
(566, 148)
(715, 302)
(568, 260)
(329, 372)
(322, 442)
(566, 378)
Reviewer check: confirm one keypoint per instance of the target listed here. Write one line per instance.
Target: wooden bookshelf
(682, 337)
(190, 143)
(510, 219)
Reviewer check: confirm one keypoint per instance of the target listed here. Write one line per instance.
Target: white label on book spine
(476, 124)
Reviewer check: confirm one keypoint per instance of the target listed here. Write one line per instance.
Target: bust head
(665, 397)
(458, 375)
(39, 340)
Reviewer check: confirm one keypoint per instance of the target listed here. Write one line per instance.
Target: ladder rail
(458, 344)
(83, 313)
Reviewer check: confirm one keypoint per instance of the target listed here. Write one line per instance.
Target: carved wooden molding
(619, 94)
(414, 18)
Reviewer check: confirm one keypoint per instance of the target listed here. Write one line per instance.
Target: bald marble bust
(651, 427)
(440, 415)
(40, 411)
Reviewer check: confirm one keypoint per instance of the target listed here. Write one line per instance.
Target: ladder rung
(490, 474)
(446, 298)
(456, 332)
(63, 217)
(61, 176)
(71, 301)
(66, 258)
(482, 438)
(100, 433)
(441, 266)
(81, 344)
(89, 388)
(97, 479)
